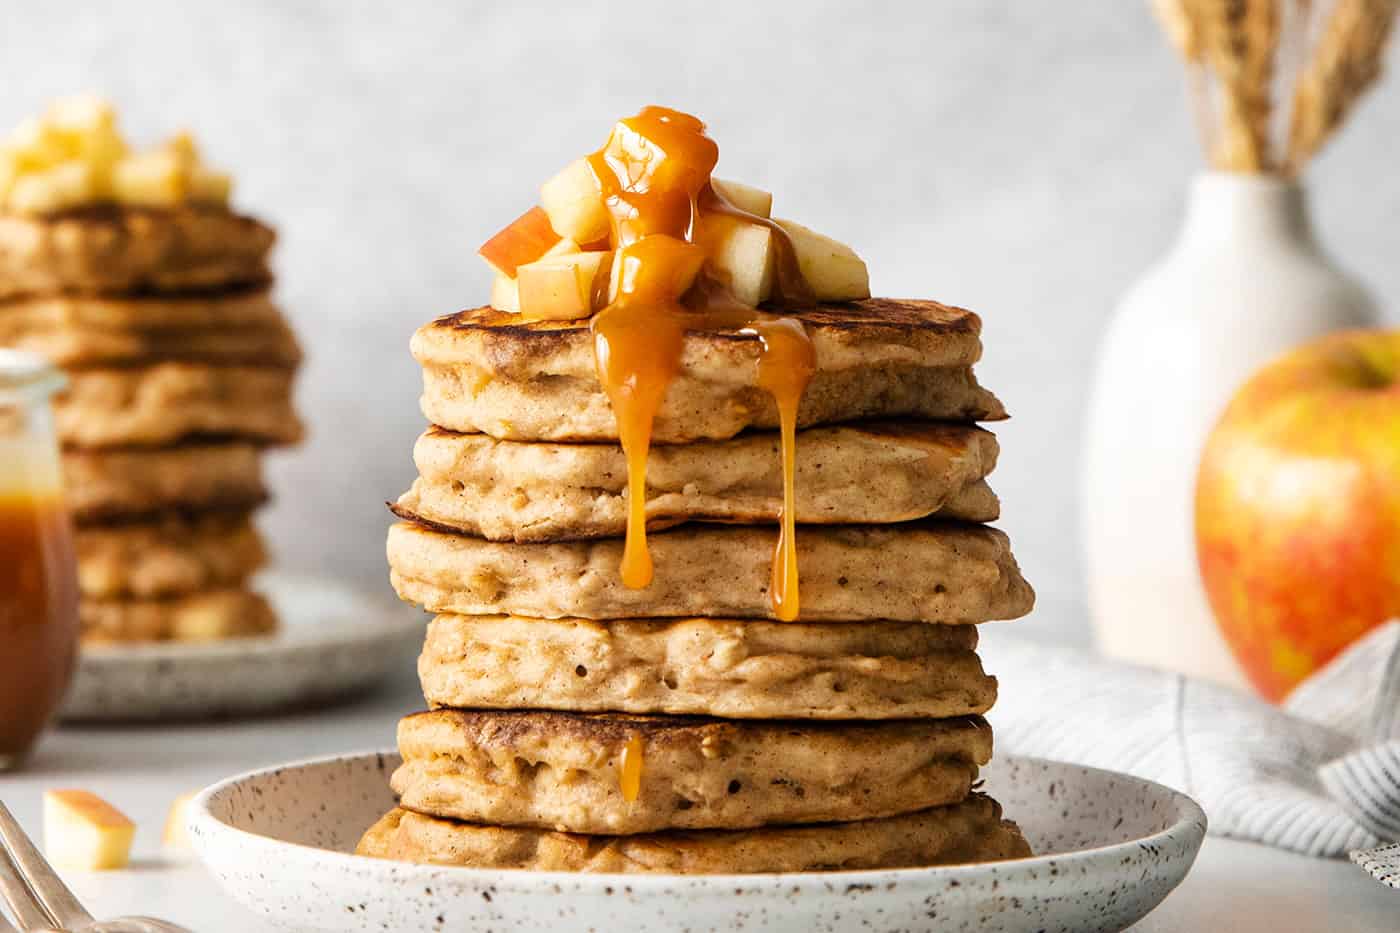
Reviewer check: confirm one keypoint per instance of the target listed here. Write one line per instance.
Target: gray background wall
(1025, 159)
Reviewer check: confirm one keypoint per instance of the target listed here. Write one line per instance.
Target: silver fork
(41, 903)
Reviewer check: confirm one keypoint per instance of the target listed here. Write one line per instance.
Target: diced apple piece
(10, 172)
(525, 239)
(208, 186)
(183, 147)
(84, 832)
(638, 149)
(574, 203)
(176, 834)
(153, 179)
(564, 288)
(86, 126)
(746, 198)
(36, 145)
(656, 267)
(81, 114)
(505, 294)
(65, 185)
(740, 254)
(832, 269)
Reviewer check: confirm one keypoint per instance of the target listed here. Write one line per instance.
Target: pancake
(485, 371)
(565, 771)
(169, 402)
(876, 472)
(718, 667)
(172, 555)
(109, 249)
(101, 485)
(73, 332)
(920, 572)
(211, 615)
(247, 307)
(971, 831)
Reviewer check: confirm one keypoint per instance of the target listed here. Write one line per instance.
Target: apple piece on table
(740, 255)
(746, 198)
(505, 294)
(176, 834)
(84, 832)
(832, 269)
(573, 202)
(527, 238)
(563, 288)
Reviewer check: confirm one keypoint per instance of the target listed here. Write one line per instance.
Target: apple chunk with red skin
(525, 239)
(1298, 507)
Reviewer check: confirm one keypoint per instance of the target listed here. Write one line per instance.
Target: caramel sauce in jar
(654, 173)
(38, 574)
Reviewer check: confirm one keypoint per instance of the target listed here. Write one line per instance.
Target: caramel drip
(784, 370)
(654, 174)
(629, 778)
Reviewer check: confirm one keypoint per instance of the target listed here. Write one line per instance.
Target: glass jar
(38, 573)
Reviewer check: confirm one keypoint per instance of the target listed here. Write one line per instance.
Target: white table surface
(1234, 886)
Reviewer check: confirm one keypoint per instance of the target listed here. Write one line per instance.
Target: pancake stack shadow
(576, 724)
(180, 371)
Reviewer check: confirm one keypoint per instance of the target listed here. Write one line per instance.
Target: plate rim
(1188, 831)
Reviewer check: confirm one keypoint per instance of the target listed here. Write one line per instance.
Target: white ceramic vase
(1245, 281)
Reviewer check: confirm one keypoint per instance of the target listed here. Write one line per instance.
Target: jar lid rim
(28, 372)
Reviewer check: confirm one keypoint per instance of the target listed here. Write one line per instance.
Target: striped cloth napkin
(1318, 775)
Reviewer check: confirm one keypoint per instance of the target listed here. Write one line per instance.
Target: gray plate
(1109, 846)
(335, 642)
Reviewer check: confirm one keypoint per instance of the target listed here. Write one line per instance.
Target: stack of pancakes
(577, 724)
(180, 372)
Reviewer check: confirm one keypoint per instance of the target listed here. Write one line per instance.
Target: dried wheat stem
(1186, 39)
(1179, 27)
(1238, 39)
(1346, 63)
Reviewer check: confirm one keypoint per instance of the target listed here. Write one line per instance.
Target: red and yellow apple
(1298, 507)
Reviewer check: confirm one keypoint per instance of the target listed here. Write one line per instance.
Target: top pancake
(491, 372)
(108, 249)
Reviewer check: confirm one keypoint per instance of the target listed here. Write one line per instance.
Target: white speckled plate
(1110, 848)
(335, 641)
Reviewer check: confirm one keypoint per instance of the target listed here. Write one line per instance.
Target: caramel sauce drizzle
(630, 769)
(654, 173)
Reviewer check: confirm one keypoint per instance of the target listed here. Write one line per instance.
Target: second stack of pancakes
(180, 370)
(577, 724)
